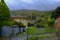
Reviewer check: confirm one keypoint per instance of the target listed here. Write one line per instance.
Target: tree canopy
(45, 20)
(4, 14)
(4, 11)
(56, 13)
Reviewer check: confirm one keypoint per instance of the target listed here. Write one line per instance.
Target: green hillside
(39, 17)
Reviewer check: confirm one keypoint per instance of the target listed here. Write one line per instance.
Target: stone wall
(8, 31)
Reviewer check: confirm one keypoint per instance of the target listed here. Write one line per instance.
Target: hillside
(30, 14)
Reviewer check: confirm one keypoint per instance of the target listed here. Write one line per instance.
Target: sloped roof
(17, 17)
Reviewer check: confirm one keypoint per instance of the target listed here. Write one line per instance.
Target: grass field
(33, 30)
(47, 37)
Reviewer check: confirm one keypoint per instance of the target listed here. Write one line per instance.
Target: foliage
(41, 37)
(41, 18)
(31, 30)
(33, 38)
(56, 13)
(20, 24)
(4, 11)
(30, 24)
(45, 20)
(39, 31)
(4, 14)
(9, 23)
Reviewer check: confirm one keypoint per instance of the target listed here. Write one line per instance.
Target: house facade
(57, 23)
(23, 20)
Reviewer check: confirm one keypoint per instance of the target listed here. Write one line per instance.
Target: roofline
(19, 18)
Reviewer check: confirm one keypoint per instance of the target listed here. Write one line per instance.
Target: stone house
(23, 20)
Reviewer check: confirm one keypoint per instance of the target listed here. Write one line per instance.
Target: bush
(30, 24)
(20, 24)
(31, 30)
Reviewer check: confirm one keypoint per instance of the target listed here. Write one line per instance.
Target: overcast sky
(32, 4)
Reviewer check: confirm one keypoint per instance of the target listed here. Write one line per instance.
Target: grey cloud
(37, 5)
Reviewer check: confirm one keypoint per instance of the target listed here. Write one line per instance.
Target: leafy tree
(45, 20)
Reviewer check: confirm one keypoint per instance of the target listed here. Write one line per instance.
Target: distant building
(23, 20)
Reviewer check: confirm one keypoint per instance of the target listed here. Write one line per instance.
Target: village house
(8, 30)
(57, 23)
(23, 20)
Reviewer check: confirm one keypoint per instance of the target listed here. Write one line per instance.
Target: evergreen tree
(4, 13)
(56, 13)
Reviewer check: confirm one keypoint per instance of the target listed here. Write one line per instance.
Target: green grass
(33, 30)
(50, 30)
(20, 34)
(40, 37)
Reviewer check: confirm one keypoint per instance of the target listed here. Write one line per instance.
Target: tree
(4, 14)
(56, 13)
(45, 20)
(4, 11)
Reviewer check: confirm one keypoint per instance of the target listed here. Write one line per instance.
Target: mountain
(23, 12)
